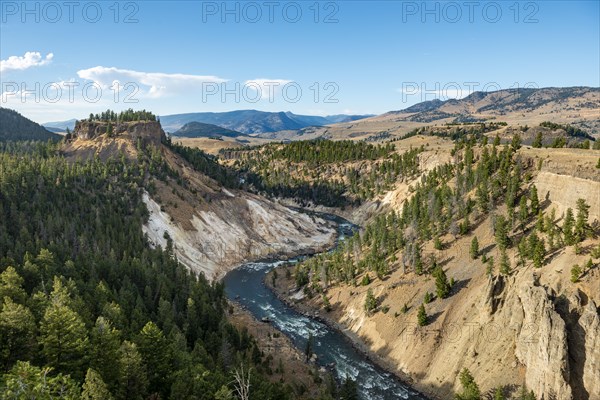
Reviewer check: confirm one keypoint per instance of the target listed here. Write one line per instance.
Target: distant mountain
(575, 106)
(506, 102)
(14, 126)
(200, 129)
(60, 126)
(425, 106)
(253, 121)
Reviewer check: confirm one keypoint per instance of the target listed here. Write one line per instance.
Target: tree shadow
(459, 285)
(431, 319)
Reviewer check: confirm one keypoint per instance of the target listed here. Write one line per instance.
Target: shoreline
(278, 345)
(349, 336)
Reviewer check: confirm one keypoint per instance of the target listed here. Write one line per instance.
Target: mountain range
(578, 106)
(243, 121)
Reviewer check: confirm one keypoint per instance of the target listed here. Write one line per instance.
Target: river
(246, 285)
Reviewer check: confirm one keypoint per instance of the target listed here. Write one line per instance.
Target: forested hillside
(14, 126)
(89, 310)
(324, 172)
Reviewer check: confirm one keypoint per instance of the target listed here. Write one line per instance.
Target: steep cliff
(148, 131)
(212, 229)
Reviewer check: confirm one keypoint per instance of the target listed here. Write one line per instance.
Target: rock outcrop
(590, 324)
(541, 341)
(237, 228)
(147, 131)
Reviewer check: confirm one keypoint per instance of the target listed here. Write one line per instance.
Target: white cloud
(30, 59)
(268, 88)
(150, 84)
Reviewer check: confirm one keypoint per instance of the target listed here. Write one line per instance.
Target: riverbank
(281, 282)
(284, 361)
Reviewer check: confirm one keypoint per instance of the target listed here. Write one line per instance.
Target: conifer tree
(534, 200)
(94, 387)
(153, 348)
(104, 356)
(470, 389)
(442, 285)
(501, 232)
(133, 382)
(474, 250)
(523, 212)
(581, 223)
(64, 340)
(17, 330)
(370, 301)
(11, 286)
(504, 263)
(422, 316)
(567, 228)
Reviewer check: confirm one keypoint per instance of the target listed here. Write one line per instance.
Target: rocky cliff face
(541, 339)
(148, 131)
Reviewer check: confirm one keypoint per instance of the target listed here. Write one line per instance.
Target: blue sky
(349, 57)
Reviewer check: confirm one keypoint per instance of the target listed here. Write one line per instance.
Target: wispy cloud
(151, 84)
(29, 60)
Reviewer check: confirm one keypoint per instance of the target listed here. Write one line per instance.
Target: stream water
(246, 285)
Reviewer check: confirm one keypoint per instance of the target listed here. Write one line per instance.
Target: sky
(65, 59)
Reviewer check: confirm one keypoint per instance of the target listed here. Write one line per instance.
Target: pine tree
(516, 142)
(422, 316)
(499, 394)
(64, 340)
(104, 344)
(534, 200)
(25, 381)
(567, 227)
(470, 389)
(496, 140)
(581, 223)
(133, 381)
(575, 273)
(11, 286)
(523, 212)
(442, 285)
(349, 390)
(501, 232)
(94, 387)
(370, 301)
(418, 262)
(525, 395)
(538, 253)
(504, 263)
(427, 298)
(153, 348)
(474, 251)
(17, 330)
